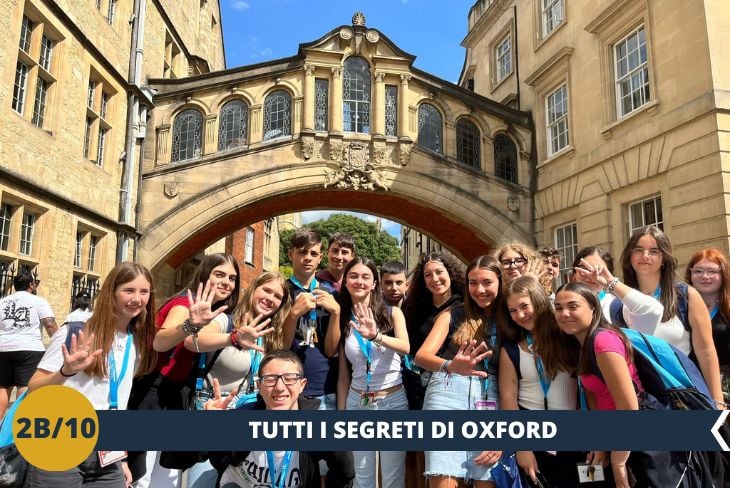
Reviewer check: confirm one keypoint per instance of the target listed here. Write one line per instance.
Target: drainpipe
(133, 120)
(517, 58)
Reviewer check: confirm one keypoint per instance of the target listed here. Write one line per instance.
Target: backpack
(670, 379)
(513, 351)
(617, 308)
(73, 329)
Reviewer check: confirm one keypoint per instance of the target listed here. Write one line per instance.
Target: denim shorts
(455, 392)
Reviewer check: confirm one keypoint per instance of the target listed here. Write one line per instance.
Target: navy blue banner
(408, 430)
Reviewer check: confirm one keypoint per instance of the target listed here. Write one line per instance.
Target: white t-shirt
(20, 321)
(78, 315)
(254, 471)
(94, 388)
(385, 365)
(563, 392)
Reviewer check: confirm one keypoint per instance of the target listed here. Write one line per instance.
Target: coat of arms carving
(356, 171)
(171, 188)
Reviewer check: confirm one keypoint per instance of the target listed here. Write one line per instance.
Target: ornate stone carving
(380, 154)
(336, 148)
(307, 149)
(379, 76)
(308, 69)
(356, 171)
(171, 188)
(337, 72)
(404, 154)
(372, 36)
(405, 78)
(358, 19)
(346, 33)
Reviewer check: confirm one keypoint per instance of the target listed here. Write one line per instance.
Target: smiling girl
(465, 373)
(374, 340)
(114, 346)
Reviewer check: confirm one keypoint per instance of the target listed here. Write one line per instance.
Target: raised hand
(200, 307)
(598, 274)
(81, 355)
(218, 403)
(248, 333)
(469, 355)
(364, 321)
(486, 458)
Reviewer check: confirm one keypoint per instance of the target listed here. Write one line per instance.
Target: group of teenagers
(493, 336)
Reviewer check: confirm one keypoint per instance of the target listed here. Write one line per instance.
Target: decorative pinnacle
(358, 19)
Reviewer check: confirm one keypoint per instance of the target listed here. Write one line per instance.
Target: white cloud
(239, 5)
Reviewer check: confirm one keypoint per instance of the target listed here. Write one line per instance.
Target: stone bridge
(346, 123)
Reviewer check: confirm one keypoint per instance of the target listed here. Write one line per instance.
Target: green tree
(375, 244)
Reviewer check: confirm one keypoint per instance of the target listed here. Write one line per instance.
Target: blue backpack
(670, 379)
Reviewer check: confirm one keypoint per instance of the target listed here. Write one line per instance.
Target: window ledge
(651, 108)
(543, 39)
(568, 151)
(499, 83)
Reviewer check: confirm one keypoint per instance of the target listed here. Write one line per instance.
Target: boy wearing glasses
(280, 387)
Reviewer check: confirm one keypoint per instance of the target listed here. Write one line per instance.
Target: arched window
(356, 96)
(505, 158)
(187, 135)
(430, 128)
(233, 125)
(468, 147)
(277, 115)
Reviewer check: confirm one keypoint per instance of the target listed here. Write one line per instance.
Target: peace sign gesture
(218, 403)
(470, 354)
(200, 307)
(247, 334)
(600, 275)
(364, 321)
(81, 355)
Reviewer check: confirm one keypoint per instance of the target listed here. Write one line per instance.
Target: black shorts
(16, 367)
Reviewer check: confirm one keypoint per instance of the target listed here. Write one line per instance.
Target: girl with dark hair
(649, 266)
(80, 308)
(114, 346)
(708, 271)
(593, 266)
(578, 314)
(537, 367)
(171, 386)
(374, 338)
(464, 370)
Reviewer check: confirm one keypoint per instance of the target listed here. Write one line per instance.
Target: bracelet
(376, 340)
(66, 375)
(190, 329)
(612, 285)
(234, 340)
(444, 366)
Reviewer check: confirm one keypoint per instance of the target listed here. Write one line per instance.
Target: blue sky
(255, 31)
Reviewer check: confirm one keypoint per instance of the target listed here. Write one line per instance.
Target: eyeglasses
(653, 252)
(513, 263)
(708, 271)
(287, 378)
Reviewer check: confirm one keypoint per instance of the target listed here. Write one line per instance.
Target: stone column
(308, 122)
(336, 102)
(210, 137)
(163, 144)
(403, 106)
(378, 111)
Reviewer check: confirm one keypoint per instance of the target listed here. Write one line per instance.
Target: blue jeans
(392, 463)
(202, 475)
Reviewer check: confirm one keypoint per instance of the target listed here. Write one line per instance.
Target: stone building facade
(74, 104)
(256, 249)
(629, 100)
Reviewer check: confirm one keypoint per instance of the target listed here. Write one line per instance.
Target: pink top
(607, 341)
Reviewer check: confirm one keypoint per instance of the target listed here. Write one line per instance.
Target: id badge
(367, 398)
(588, 473)
(110, 457)
(485, 405)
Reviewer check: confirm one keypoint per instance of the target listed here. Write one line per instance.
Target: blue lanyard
(601, 295)
(256, 357)
(312, 286)
(365, 347)
(115, 380)
(713, 312)
(492, 343)
(280, 481)
(657, 292)
(544, 380)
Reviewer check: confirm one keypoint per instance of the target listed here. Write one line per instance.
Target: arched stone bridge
(346, 123)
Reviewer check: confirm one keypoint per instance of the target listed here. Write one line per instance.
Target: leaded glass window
(233, 125)
(26, 28)
(505, 158)
(321, 103)
(39, 107)
(6, 213)
(21, 82)
(46, 53)
(277, 115)
(356, 96)
(430, 128)
(391, 110)
(468, 150)
(187, 135)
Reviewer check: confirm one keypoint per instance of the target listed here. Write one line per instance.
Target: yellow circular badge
(55, 428)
